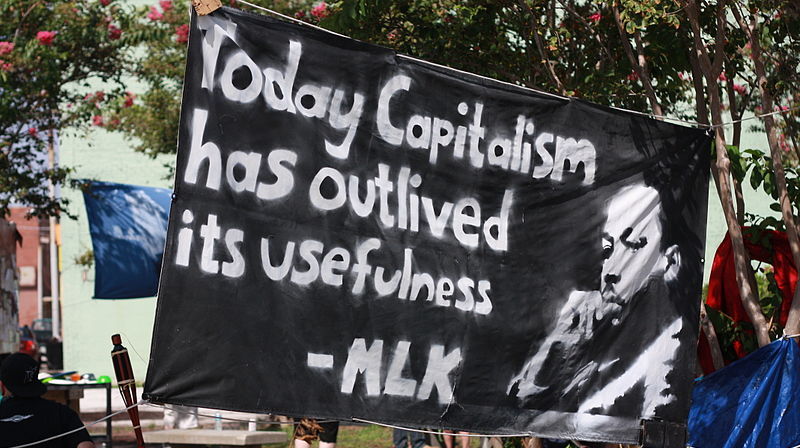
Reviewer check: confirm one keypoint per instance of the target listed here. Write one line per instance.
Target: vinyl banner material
(128, 224)
(361, 235)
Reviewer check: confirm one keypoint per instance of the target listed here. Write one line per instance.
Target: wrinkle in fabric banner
(360, 235)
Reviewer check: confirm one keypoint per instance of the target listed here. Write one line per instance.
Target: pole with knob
(127, 385)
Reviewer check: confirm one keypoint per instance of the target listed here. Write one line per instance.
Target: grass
(366, 436)
(370, 436)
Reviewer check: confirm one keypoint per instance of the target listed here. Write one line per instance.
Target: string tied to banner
(789, 336)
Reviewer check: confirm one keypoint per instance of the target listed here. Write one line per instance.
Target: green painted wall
(756, 202)
(88, 324)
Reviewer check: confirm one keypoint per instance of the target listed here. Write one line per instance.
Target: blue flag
(751, 403)
(128, 224)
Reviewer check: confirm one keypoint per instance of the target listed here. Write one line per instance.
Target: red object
(127, 385)
(28, 347)
(704, 354)
(182, 34)
(45, 37)
(27, 343)
(723, 291)
(114, 32)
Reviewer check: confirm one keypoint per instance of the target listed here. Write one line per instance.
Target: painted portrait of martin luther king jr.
(612, 350)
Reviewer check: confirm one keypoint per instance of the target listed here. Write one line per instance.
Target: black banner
(359, 235)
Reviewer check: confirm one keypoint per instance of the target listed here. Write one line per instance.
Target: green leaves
(57, 47)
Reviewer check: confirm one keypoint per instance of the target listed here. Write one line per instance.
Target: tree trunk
(711, 71)
(767, 103)
(711, 337)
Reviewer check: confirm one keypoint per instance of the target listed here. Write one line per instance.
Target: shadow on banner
(750, 403)
(128, 224)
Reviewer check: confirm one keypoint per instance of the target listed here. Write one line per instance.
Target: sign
(361, 235)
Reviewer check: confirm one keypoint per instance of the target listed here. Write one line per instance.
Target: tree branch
(636, 63)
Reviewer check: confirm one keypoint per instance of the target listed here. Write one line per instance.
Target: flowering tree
(150, 118)
(48, 51)
(707, 62)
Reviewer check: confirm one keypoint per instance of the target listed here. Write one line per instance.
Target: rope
(438, 433)
(782, 111)
(541, 92)
(80, 428)
(355, 419)
(230, 419)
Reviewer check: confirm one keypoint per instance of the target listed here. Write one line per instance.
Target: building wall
(88, 323)
(756, 202)
(31, 274)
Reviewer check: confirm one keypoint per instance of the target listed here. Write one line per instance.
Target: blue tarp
(128, 224)
(754, 402)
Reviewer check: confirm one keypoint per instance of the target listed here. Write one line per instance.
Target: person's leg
(399, 438)
(449, 440)
(463, 441)
(417, 439)
(301, 444)
(328, 435)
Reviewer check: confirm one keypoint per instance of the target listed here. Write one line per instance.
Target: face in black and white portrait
(634, 255)
(632, 245)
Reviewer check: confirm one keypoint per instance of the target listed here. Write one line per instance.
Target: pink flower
(320, 11)
(6, 66)
(6, 47)
(391, 36)
(741, 89)
(97, 120)
(114, 32)
(154, 14)
(33, 132)
(722, 77)
(99, 95)
(300, 15)
(45, 37)
(105, 2)
(166, 5)
(182, 34)
(129, 97)
(632, 76)
(595, 17)
(785, 108)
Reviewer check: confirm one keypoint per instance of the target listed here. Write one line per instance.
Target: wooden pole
(127, 385)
